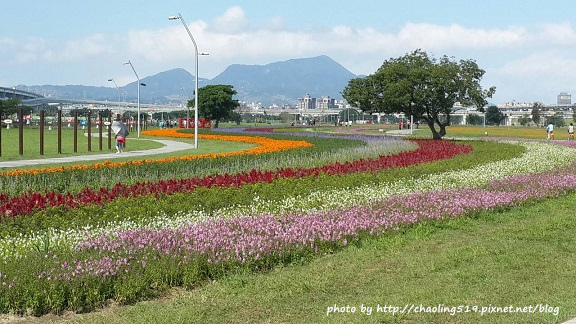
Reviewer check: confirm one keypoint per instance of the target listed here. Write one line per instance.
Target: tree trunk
(437, 135)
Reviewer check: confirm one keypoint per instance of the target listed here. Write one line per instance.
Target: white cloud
(547, 65)
(276, 23)
(560, 33)
(232, 21)
(78, 50)
(438, 37)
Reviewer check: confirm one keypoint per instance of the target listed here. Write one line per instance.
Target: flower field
(129, 236)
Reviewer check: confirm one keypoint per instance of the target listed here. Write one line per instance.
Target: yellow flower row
(266, 145)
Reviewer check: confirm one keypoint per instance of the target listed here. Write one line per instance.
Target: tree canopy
(9, 107)
(536, 112)
(215, 102)
(494, 116)
(422, 87)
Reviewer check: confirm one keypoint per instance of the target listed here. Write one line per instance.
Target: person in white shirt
(571, 132)
(550, 131)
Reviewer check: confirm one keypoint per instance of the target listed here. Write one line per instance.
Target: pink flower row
(251, 239)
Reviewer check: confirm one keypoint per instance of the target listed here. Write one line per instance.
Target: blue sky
(527, 48)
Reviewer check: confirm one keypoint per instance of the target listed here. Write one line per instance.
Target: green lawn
(459, 131)
(498, 131)
(31, 151)
(523, 257)
(31, 143)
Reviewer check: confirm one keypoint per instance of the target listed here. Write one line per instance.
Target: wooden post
(59, 123)
(2, 121)
(89, 130)
(110, 130)
(21, 131)
(76, 132)
(100, 130)
(42, 132)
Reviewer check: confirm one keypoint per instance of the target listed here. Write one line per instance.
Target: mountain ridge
(281, 82)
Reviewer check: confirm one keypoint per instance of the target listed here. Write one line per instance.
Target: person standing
(550, 131)
(121, 131)
(571, 132)
(120, 142)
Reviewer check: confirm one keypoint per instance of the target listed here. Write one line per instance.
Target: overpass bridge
(9, 93)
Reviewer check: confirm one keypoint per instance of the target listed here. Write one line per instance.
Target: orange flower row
(266, 145)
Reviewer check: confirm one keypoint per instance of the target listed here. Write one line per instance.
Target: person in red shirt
(120, 143)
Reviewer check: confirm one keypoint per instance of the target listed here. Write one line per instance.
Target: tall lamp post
(112, 80)
(139, 84)
(187, 110)
(196, 78)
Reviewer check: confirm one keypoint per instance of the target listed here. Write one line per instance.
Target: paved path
(402, 132)
(169, 146)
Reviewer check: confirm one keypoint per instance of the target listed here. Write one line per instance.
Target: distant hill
(280, 83)
(285, 82)
(168, 86)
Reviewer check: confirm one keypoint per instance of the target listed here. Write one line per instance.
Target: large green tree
(215, 102)
(9, 107)
(536, 108)
(557, 119)
(420, 86)
(494, 116)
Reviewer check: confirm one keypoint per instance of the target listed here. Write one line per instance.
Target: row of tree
(494, 116)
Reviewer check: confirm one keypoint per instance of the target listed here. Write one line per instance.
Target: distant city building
(516, 105)
(318, 103)
(564, 99)
(326, 103)
(307, 102)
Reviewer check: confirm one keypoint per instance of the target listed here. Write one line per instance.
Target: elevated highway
(9, 93)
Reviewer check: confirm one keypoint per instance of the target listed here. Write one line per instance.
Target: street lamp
(188, 109)
(195, 78)
(139, 84)
(112, 80)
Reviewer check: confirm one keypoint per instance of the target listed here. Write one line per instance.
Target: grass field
(480, 131)
(31, 143)
(500, 131)
(31, 149)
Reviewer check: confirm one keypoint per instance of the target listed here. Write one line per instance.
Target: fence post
(75, 132)
(42, 132)
(89, 130)
(59, 121)
(21, 131)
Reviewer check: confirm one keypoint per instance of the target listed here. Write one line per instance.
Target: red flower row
(25, 204)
